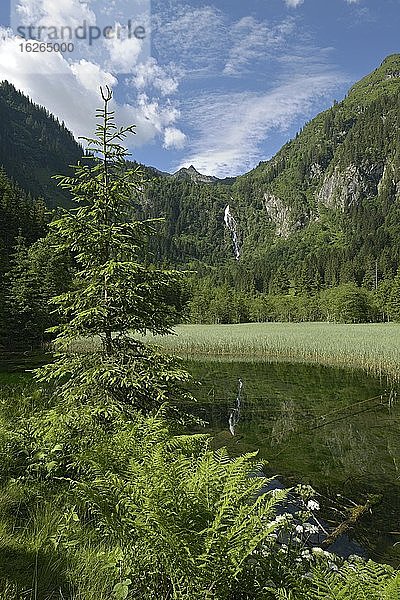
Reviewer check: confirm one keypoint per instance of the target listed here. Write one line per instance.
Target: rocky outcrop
(279, 214)
(346, 188)
(316, 171)
(389, 180)
(394, 75)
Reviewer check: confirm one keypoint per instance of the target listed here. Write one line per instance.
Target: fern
(368, 581)
(392, 590)
(191, 514)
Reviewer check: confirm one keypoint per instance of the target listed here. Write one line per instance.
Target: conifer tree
(393, 304)
(23, 315)
(114, 293)
(36, 273)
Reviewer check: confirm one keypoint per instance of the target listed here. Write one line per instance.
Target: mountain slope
(19, 215)
(34, 145)
(324, 211)
(339, 159)
(331, 196)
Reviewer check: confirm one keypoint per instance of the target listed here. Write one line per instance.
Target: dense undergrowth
(138, 509)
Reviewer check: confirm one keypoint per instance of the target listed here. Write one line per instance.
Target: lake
(334, 429)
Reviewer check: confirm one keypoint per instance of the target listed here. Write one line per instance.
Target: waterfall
(232, 226)
(235, 413)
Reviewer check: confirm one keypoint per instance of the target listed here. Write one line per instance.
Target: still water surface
(334, 429)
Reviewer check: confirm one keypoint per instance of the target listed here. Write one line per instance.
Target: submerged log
(355, 515)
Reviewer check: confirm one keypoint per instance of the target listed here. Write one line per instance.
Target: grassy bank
(373, 347)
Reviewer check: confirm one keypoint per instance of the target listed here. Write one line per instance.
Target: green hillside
(325, 208)
(19, 215)
(34, 145)
(331, 194)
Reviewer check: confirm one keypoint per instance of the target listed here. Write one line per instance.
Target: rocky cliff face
(346, 188)
(279, 214)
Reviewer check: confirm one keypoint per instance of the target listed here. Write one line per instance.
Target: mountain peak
(384, 80)
(190, 173)
(392, 58)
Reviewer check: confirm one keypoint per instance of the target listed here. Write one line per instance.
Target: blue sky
(225, 83)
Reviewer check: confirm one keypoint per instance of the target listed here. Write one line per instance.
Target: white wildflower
(319, 552)
(299, 528)
(279, 519)
(311, 529)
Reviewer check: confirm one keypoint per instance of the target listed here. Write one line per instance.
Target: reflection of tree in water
(393, 448)
(285, 423)
(350, 449)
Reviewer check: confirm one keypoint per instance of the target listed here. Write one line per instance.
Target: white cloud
(196, 37)
(119, 52)
(151, 74)
(159, 116)
(204, 41)
(293, 3)
(5, 33)
(90, 76)
(296, 3)
(231, 128)
(68, 86)
(55, 13)
(253, 40)
(71, 92)
(174, 138)
(123, 54)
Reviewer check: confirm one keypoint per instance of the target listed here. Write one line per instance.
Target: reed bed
(373, 347)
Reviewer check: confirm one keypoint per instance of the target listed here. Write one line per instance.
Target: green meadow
(373, 347)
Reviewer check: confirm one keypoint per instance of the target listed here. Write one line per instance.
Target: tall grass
(31, 566)
(374, 347)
